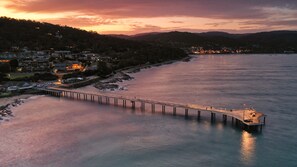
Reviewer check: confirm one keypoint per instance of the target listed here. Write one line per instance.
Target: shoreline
(110, 83)
(8, 103)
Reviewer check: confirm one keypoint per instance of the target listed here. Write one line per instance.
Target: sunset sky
(139, 16)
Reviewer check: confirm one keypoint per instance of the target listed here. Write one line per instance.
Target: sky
(142, 16)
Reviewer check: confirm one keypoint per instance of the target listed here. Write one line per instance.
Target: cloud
(177, 22)
(217, 24)
(270, 23)
(191, 15)
(145, 28)
(283, 22)
(227, 9)
(81, 21)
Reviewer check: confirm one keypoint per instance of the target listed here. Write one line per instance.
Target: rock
(106, 86)
(126, 77)
(5, 110)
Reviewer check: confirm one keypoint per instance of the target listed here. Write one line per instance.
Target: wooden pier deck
(246, 118)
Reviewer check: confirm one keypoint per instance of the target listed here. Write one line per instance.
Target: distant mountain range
(262, 42)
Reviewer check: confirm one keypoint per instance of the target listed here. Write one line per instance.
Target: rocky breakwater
(5, 111)
(109, 84)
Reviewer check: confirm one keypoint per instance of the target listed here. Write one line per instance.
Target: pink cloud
(230, 9)
(251, 13)
(76, 21)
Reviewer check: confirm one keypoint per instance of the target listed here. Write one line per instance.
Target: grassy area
(20, 75)
(5, 94)
(18, 93)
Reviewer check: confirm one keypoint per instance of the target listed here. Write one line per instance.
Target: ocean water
(48, 131)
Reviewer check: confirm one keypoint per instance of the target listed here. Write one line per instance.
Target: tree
(3, 76)
(4, 68)
(103, 69)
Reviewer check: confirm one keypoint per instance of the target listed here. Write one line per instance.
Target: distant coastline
(109, 83)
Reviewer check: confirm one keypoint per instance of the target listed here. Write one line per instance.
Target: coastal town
(217, 50)
(21, 67)
(24, 71)
(49, 61)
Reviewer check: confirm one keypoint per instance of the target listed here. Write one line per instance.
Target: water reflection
(247, 148)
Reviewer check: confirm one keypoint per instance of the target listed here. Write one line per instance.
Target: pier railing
(246, 118)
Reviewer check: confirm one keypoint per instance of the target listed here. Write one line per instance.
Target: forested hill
(45, 36)
(152, 47)
(262, 42)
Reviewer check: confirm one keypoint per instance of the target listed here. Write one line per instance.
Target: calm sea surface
(55, 132)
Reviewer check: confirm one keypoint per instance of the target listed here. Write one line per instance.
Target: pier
(246, 119)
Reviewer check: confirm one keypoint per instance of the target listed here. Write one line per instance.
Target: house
(88, 56)
(29, 61)
(60, 67)
(34, 63)
(26, 64)
(13, 88)
(60, 54)
(68, 66)
(74, 66)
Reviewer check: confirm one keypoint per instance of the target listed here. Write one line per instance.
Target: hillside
(175, 39)
(263, 42)
(275, 41)
(45, 36)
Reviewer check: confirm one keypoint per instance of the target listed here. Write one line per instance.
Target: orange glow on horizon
(138, 17)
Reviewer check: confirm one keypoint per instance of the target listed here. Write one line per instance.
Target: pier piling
(116, 101)
(124, 103)
(174, 111)
(198, 114)
(224, 118)
(235, 115)
(163, 109)
(153, 108)
(133, 105)
(186, 113)
(213, 117)
(142, 106)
